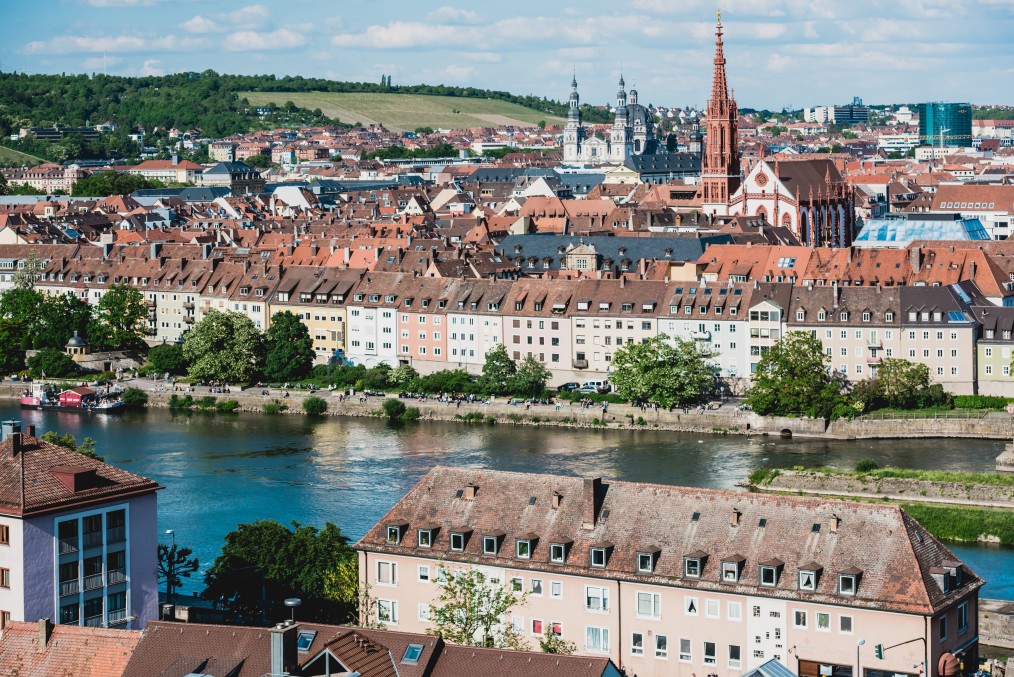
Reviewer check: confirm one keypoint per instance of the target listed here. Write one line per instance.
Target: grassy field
(406, 112)
(954, 523)
(9, 156)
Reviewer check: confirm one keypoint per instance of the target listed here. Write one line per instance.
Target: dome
(638, 114)
(76, 342)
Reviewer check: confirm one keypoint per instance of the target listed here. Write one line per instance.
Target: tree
(342, 586)
(497, 372)
(61, 316)
(793, 377)
(669, 372)
(103, 184)
(289, 349)
(393, 408)
(530, 378)
(315, 406)
(168, 357)
(553, 643)
(118, 321)
(23, 308)
(258, 161)
(264, 562)
(68, 441)
(224, 346)
(470, 610)
(175, 564)
(52, 362)
(899, 381)
(28, 274)
(403, 375)
(12, 355)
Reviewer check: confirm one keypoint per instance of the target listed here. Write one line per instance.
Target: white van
(595, 387)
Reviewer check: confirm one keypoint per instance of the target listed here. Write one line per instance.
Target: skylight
(412, 653)
(305, 639)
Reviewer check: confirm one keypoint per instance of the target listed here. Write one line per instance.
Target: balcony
(69, 588)
(116, 534)
(115, 576)
(92, 539)
(874, 343)
(93, 622)
(68, 545)
(92, 582)
(189, 319)
(701, 335)
(873, 360)
(188, 305)
(580, 364)
(117, 616)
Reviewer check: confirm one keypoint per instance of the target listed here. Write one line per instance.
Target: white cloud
(252, 41)
(399, 35)
(452, 15)
(82, 44)
(98, 62)
(245, 18)
(152, 67)
(456, 73)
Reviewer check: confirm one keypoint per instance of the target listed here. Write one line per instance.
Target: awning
(949, 665)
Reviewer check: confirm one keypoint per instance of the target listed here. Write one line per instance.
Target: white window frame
(774, 576)
(813, 575)
(653, 600)
(424, 573)
(523, 543)
(424, 612)
(734, 612)
(594, 553)
(714, 604)
(394, 535)
(796, 616)
(556, 589)
(596, 592)
(557, 553)
(687, 603)
(392, 570)
(602, 643)
(851, 622)
(827, 618)
(688, 655)
(643, 557)
(637, 644)
(851, 592)
(391, 606)
(486, 541)
(712, 658)
(730, 572)
(687, 562)
(735, 662)
(458, 537)
(425, 538)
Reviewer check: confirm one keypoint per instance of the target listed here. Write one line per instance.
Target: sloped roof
(71, 650)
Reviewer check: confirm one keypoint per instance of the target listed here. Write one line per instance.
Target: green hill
(14, 158)
(406, 112)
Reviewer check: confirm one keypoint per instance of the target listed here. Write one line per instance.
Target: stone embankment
(892, 488)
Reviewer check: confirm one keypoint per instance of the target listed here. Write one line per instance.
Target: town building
(78, 537)
(941, 124)
(238, 177)
(665, 579)
(173, 170)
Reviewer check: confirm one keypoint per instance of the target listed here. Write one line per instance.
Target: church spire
(719, 87)
(720, 166)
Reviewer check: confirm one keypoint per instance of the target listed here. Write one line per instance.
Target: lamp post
(858, 644)
(292, 603)
(169, 579)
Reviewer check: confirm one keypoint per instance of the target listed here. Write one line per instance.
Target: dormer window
(769, 573)
(646, 560)
(395, 530)
(808, 575)
(558, 552)
(524, 545)
(457, 540)
(848, 581)
(599, 554)
(426, 537)
(693, 564)
(491, 543)
(731, 568)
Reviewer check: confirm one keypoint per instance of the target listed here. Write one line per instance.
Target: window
(735, 611)
(536, 587)
(799, 619)
(637, 644)
(962, 617)
(807, 580)
(524, 549)
(387, 573)
(5, 578)
(645, 562)
(769, 576)
(557, 553)
(424, 573)
(943, 624)
(424, 612)
(596, 639)
(536, 627)
(823, 622)
(649, 605)
(596, 598)
(692, 567)
(412, 653)
(598, 557)
(730, 572)
(489, 545)
(556, 589)
(734, 656)
(711, 608)
(517, 584)
(845, 625)
(394, 535)
(457, 542)
(425, 538)
(690, 606)
(686, 654)
(709, 653)
(5, 534)
(387, 611)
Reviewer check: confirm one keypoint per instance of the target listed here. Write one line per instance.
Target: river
(221, 470)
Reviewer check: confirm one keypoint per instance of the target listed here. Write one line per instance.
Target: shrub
(52, 362)
(226, 406)
(394, 408)
(867, 465)
(514, 418)
(315, 406)
(134, 397)
(167, 357)
(104, 376)
(206, 402)
(980, 402)
(274, 407)
(411, 414)
(177, 402)
(641, 421)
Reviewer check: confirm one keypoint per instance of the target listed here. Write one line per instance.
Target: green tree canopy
(793, 377)
(530, 378)
(12, 355)
(52, 362)
(286, 562)
(23, 309)
(118, 321)
(103, 184)
(224, 346)
(61, 316)
(168, 357)
(289, 348)
(669, 372)
(469, 609)
(497, 372)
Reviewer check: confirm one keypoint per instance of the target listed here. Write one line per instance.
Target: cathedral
(632, 133)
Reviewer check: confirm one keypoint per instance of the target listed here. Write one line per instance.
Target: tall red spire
(720, 172)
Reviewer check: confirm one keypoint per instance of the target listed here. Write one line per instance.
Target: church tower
(619, 136)
(720, 173)
(573, 134)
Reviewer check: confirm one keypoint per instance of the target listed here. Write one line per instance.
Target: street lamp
(858, 644)
(292, 603)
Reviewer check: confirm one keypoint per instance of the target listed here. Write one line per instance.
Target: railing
(93, 622)
(93, 581)
(115, 576)
(874, 343)
(92, 539)
(116, 534)
(68, 545)
(117, 616)
(701, 335)
(916, 414)
(580, 364)
(188, 305)
(69, 588)
(189, 319)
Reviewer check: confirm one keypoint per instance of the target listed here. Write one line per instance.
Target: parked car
(569, 387)
(596, 387)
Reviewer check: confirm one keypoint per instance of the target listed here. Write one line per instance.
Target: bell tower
(720, 173)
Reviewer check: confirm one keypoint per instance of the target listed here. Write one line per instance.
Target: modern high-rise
(78, 537)
(945, 124)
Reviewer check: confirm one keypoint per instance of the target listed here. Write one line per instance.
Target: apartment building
(675, 580)
(78, 537)
(372, 321)
(422, 320)
(475, 323)
(318, 297)
(536, 322)
(940, 330)
(993, 350)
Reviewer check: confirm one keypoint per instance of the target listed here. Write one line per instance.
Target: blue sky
(780, 52)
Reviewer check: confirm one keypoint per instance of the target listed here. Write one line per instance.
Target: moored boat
(80, 399)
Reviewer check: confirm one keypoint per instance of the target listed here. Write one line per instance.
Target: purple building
(78, 537)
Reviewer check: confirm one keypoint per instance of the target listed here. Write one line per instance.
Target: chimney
(469, 493)
(623, 281)
(736, 514)
(176, 159)
(835, 522)
(16, 443)
(45, 632)
(31, 430)
(9, 428)
(557, 498)
(283, 648)
(107, 249)
(592, 498)
(156, 249)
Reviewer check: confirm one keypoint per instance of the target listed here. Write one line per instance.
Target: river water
(221, 470)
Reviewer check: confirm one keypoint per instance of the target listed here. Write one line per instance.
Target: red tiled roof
(71, 650)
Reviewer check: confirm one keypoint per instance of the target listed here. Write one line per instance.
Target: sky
(781, 53)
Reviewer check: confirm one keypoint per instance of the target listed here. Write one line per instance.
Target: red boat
(80, 399)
